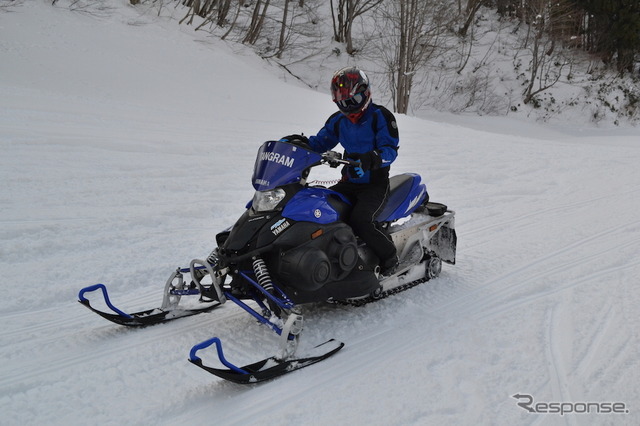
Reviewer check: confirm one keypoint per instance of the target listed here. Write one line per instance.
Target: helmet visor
(352, 104)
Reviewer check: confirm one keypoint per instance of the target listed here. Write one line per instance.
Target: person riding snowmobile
(369, 135)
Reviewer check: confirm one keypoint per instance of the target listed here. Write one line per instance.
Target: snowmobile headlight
(267, 200)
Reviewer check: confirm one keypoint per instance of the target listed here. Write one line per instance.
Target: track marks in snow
(583, 359)
(585, 364)
(548, 214)
(532, 289)
(558, 341)
(75, 341)
(606, 351)
(504, 292)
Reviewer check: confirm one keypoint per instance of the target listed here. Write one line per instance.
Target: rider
(369, 135)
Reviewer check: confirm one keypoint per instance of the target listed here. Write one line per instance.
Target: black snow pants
(368, 200)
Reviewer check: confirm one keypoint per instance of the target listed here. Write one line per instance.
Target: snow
(127, 144)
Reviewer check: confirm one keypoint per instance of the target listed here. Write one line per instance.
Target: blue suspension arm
(253, 313)
(284, 302)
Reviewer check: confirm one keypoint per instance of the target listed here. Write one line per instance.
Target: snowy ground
(126, 145)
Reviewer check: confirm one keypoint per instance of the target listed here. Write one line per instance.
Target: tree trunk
(233, 23)
(223, 12)
(283, 29)
(257, 20)
(472, 8)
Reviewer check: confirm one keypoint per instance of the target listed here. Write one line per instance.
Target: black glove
(300, 140)
(368, 161)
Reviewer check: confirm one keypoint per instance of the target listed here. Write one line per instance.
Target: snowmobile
(291, 247)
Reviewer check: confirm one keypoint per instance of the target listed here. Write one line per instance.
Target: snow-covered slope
(127, 143)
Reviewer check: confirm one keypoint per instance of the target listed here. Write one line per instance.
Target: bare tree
(343, 14)
(415, 32)
(283, 29)
(212, 10)
(257, 21)
(233, 22)
(469, 15)
(223, 11)
(7, 5)
(291, 14)
(548, 23)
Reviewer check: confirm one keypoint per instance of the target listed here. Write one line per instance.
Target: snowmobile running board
(266, 369)
(142, 318)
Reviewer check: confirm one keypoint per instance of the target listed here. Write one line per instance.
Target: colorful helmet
(350, 90)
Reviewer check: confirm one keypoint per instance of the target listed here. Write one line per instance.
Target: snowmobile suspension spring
(213, 257)
(262, 274)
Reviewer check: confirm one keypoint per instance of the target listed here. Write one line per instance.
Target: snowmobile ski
(266, 369)
(142, 318)
(175, 289)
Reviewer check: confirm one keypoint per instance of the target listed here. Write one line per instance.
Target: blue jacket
(376, 130)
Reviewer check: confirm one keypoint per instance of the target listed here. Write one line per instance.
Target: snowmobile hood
(280, 163)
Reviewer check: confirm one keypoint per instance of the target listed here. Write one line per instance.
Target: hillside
(499, 67)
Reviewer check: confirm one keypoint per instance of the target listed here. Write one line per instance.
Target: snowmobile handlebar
(334, 159)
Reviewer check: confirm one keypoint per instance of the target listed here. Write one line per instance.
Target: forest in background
(490, 57)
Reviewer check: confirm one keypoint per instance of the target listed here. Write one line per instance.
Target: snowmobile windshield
(280, 163)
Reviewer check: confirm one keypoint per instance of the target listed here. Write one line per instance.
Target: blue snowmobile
(291, 247)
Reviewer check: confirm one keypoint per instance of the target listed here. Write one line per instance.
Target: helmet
(350, 91)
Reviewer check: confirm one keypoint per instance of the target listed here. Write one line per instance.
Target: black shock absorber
(264, 280)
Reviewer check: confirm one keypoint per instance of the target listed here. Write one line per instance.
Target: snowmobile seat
(405, 194)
